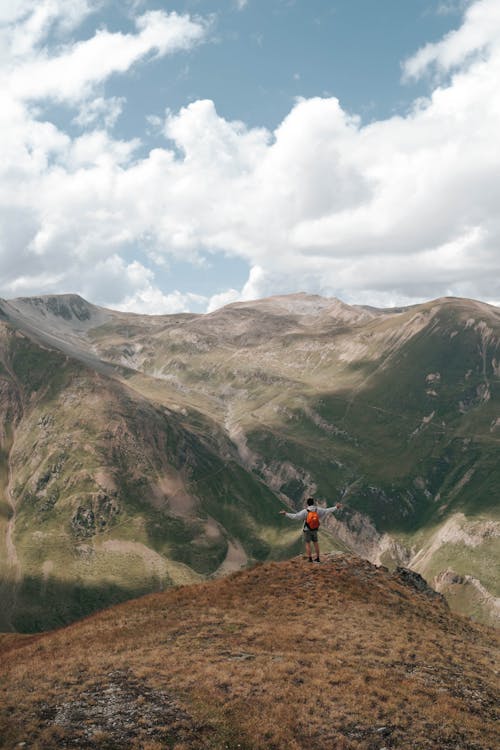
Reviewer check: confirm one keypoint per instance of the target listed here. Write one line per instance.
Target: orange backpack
(312, 520)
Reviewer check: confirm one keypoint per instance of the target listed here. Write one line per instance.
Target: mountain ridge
(284, 655)
(146, 427)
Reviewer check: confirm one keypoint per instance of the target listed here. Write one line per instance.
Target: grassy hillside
(284, 656)
(109, 495)
(152, 450)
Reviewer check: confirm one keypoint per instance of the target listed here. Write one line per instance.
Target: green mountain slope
(143, 451)
(107, 495)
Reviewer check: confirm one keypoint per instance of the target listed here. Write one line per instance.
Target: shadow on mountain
(38, 603)
(41, 605)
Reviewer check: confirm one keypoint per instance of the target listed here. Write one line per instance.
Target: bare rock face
(359, 533)
(447, 578)
(68, 307)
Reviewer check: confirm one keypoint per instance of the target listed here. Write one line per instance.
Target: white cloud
(391, 212)
(149, 300)
(100, 110)
(65, 13)
(61, 15)
(223, 298)
(63, 208)
(71, 74)
(447, 7)
(478, 35)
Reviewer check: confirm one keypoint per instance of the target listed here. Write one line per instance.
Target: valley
(148, 451)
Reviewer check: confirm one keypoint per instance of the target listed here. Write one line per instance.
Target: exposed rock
(113, 712)
(46, 421)
(65, 306)
(457, 530)
(48, 502)
(415, 581)
(475, 397)
(291, 481)
(360, 535)
(95, 516)
(448, 577)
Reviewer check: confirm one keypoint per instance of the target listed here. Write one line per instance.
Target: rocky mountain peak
(69, 307)
(55, 317)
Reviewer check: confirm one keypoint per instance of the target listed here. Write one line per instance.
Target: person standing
(312, 516)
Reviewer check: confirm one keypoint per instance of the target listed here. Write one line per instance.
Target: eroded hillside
(107, 494)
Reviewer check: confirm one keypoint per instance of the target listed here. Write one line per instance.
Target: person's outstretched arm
(326, 511)
(294, 516)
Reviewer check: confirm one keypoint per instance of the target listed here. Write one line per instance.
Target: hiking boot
(310, 559)
(317, 560)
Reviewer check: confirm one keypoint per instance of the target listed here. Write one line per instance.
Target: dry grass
(286, 655)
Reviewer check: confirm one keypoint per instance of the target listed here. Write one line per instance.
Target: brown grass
(286, 655)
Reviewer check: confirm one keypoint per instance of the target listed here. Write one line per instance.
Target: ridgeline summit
(283, 656)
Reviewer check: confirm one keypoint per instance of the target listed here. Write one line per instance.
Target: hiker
(311, 515)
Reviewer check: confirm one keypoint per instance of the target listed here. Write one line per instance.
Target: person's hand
(339, 505)
(282, 512)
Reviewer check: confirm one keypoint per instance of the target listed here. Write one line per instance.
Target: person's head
(311, 501)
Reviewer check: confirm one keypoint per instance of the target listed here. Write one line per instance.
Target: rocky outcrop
(117, 708)
(94, 515)
(358, 532)
(415, 581)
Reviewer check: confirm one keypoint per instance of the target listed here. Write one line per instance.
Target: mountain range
(140, 452)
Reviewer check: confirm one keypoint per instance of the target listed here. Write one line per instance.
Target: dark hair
(311, 501)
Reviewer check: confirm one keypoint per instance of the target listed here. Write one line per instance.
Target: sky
(161, 157)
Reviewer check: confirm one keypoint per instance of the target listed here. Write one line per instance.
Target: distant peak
(55, 312)
(66, 306)
(303, 305)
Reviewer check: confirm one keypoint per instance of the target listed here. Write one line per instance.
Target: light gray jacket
(302, 514)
